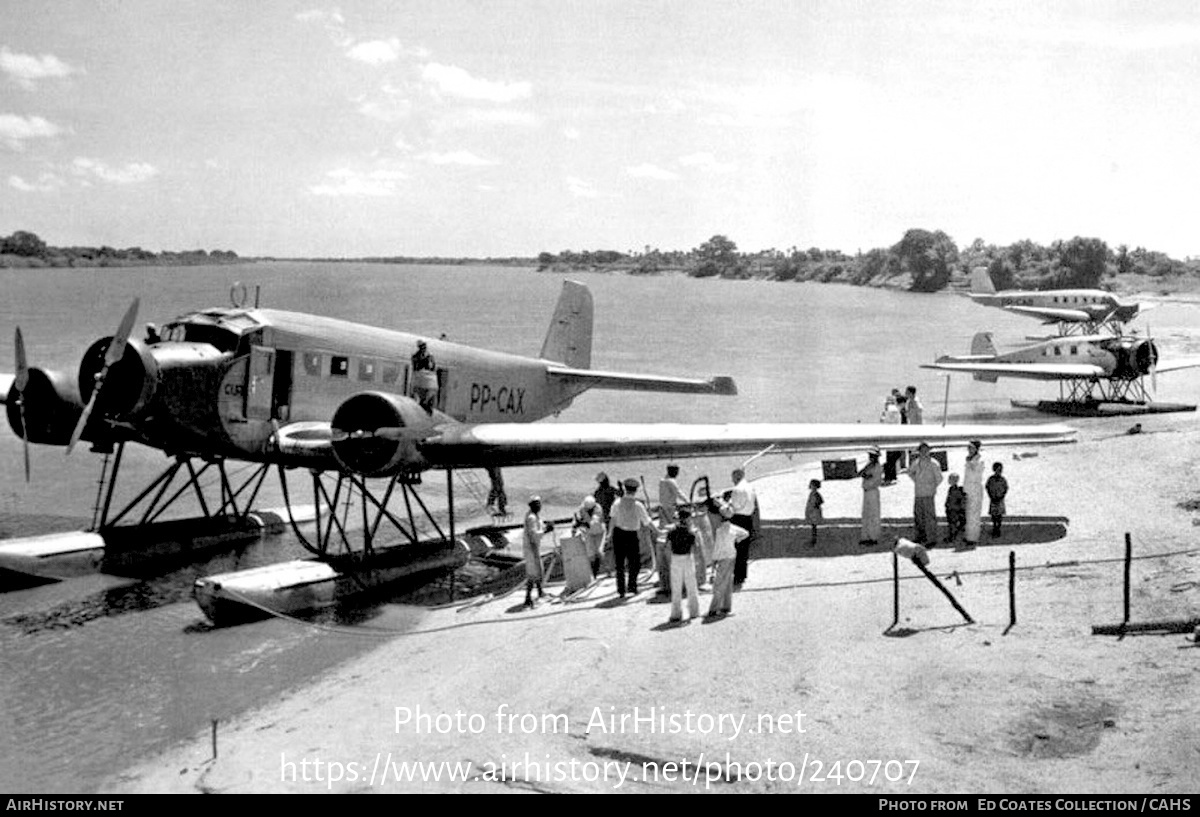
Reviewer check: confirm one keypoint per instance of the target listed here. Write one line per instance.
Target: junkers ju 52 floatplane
(350, 404)
(1096, 374)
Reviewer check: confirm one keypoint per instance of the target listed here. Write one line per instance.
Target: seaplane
(1073, 311)
(367, 412)
(1097, 374)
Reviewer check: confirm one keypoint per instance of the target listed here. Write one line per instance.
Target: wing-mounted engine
(52, 408)
(376, 434)
(1135, 357)
(130, 381)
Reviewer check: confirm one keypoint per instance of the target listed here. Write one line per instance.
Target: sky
(513, 127)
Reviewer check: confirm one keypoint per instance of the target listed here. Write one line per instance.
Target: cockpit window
(221, 329)
(223, 339)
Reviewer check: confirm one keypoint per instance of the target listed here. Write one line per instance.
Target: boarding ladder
(477, 488)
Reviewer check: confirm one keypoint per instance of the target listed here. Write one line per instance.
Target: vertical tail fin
(981, 282)
(569, 338)
(982, 344)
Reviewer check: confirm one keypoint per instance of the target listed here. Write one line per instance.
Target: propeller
(116, 350)
(1153, 361)
(19, 383)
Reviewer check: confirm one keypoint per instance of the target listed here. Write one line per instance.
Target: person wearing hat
(726, 537)
(628, 517)
(670, 496)
(606, 494)
(682, 542)
(588, 525)
(926, 475)
(744, 503)
(425, 384)
(872, 478)
(535, 528)
(973, 485)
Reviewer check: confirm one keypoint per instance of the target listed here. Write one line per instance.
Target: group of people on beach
(964, 503)
(686, 541)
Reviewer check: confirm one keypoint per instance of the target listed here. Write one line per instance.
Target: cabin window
(1074, 350)
(339, 366)
(391, 373)
(366, 370)
(1058, 351)
(312, 364)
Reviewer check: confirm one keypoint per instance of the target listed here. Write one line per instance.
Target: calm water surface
(99, 671)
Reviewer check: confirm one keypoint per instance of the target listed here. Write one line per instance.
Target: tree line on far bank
(25, 249)
(922, 261)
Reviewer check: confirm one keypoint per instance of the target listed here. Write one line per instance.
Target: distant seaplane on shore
(1092, 370)
(1073, 311)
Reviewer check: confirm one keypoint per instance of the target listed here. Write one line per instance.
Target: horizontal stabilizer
(595, 379)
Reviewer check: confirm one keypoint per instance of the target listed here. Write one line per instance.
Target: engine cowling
(52, 408)
(376, 434)
(1134, 358)
(130, 382)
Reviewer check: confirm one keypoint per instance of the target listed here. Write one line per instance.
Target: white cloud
(457, 82)
(46, 183)
(456, 157)
(705, 161)
(26, 68)
(15, 129)
(580, 188)
(132, 173)
(376, 52)
(354, 183)
(571, 133)
(649, 171)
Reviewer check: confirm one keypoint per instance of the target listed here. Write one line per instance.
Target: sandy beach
(806, 687)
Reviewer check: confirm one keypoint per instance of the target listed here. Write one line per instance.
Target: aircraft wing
(513, 444)
(1030, 371)
(596, 379)
(1052, 315)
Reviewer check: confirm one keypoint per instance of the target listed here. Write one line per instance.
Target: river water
(99, 671)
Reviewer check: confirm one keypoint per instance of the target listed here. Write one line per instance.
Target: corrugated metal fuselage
(290, 367)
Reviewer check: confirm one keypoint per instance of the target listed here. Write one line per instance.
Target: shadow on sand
(789, 538)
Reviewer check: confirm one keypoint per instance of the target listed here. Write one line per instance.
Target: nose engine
(1135, 358)
(129, 385)
(376, 434)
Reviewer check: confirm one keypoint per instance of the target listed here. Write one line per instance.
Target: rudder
(981, 282)
(569, 338)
